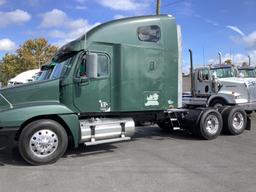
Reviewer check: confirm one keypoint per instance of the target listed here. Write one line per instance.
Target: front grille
(252, 93)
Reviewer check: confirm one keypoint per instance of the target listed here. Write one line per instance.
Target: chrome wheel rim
(212, 124)
(43, 143)
(238, 121)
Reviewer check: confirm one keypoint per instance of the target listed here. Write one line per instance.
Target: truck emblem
(152, 100)
(104, 106)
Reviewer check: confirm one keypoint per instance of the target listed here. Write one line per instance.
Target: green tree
(9, 67)
(30, 55)
(228, 61)
(33, 53)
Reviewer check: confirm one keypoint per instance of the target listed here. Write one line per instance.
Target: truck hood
(249, 82)
(232, 80)
(29, 94)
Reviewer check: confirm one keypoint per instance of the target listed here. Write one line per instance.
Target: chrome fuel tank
(106, 128)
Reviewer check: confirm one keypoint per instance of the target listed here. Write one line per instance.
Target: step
(107, 141)
(177, 110)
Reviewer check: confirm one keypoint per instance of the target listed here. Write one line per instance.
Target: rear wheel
(210, 124)
(235, 120)
(42, 142)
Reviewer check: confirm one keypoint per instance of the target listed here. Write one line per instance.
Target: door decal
(104, 106)
(152, 100)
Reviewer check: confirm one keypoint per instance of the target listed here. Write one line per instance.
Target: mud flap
(248, 125)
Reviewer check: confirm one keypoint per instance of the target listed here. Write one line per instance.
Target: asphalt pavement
(152, 161)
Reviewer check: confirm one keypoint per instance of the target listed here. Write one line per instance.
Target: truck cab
(247, 71)
(95, 88)
(220, 85)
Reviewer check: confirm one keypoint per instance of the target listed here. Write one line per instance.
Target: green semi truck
(99, 85)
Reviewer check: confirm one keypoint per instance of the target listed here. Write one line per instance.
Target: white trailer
(24, 77)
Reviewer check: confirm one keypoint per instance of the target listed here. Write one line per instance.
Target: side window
(151, 33)
(102, 68)
(203, 75)
(103, 63)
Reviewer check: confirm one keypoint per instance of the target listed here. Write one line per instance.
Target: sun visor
(71, 47)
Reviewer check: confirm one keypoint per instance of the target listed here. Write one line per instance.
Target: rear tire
(235, 120)
(42, 142)
(210, 124)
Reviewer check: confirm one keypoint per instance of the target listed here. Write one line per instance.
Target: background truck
(24, 77)
(247, 71)
(220, 85)
(119, 72)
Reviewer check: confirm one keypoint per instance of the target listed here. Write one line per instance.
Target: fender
(230, 99)
(16, 116)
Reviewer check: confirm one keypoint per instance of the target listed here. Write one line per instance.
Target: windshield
(248, 73)
(56, 69)
(45, 73)
(224, 72)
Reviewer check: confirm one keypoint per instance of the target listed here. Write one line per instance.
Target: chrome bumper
(250, 106)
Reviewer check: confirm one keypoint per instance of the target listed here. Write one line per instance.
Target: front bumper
(7, 137)
(250, 106)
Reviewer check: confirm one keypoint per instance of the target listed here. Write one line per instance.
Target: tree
(30, 55)
(228, 61)
(9, 67)
(33, 53)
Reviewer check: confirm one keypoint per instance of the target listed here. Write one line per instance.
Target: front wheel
(43, 142)
(210, 124)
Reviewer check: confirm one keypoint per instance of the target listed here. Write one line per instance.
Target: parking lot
(153, 161)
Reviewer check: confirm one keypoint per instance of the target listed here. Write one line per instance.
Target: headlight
(236, 95)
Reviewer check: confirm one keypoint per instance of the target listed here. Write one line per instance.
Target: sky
(208, 27)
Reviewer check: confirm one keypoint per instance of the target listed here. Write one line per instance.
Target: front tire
(43, 142)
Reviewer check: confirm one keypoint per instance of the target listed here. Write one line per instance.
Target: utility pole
(158, 3)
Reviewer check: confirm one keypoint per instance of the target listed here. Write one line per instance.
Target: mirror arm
(81, 80)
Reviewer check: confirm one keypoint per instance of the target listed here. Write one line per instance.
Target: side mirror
(200, 76)
(92, 65)
(83, 79)
(214, 76)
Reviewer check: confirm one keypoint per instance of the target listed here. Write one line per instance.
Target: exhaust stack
(192, 89)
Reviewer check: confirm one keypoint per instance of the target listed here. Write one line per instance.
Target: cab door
(92, 93)
(203, 84)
